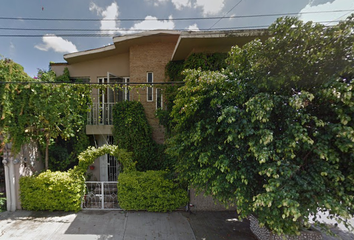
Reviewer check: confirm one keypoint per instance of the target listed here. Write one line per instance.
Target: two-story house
(138, 58)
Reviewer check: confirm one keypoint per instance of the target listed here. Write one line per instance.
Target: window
(150, 90)
(159, 99)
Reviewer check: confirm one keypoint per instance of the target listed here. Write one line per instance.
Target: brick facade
(151, 57)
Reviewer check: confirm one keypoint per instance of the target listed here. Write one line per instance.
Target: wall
(206, 203)
(151, 57)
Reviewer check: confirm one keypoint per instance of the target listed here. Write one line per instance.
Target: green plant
(150, 191)
(37, 111)
(87, 157)
(274, 132)
(174, 72)
(53, 191)
(132, 132)
(2, 203)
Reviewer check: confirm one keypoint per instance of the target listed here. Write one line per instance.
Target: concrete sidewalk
(123, 225)
(94, 225)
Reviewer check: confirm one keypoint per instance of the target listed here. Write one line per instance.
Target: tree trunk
(46, 152)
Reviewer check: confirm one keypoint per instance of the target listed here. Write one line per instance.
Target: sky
(36, 32)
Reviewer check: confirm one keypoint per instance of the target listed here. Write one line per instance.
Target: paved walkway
(91, 225)
(122, 225)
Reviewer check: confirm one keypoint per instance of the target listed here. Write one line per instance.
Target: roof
(187, 42)
(213, 41)
(120, 44)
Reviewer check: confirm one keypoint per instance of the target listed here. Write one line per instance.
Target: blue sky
(50, 45)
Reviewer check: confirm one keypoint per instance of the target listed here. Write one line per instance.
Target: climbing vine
(132, 132)
(174, 73)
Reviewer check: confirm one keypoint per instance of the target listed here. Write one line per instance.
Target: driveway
(123, 225)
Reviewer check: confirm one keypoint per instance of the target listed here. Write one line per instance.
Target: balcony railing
(100, 114)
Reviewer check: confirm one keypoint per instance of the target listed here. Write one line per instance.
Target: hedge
(149, 191)
(63, 191)
(52, 191)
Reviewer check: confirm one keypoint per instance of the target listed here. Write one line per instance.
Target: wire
(226, 14)
(117, 31)
(168, 19)
(92, 83)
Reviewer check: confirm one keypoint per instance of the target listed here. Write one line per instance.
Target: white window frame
(157, 97)
(147, 88)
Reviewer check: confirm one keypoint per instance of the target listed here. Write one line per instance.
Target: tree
(274, 133)
(40, 111)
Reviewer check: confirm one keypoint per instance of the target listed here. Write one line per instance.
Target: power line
(167, 19)
(92, 83)
(226, 14)
(114, 32)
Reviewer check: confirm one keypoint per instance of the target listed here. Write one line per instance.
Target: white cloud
(157, 2)
(193, 27)
(12, 46)
(58, 44)
(151, 23)
(93, 7)
(329, 6)
(111, 12)
(179, 4)
(210, 7)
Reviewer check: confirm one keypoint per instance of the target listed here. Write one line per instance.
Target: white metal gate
(100, 196)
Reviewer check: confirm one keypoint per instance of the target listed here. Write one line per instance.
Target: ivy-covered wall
(174, 73)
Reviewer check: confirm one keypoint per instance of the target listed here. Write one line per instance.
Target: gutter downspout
(7, 185)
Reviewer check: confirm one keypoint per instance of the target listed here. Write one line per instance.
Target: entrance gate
(100, 196)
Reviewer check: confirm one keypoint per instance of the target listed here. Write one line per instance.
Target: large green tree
(274, 133)
(39, 109)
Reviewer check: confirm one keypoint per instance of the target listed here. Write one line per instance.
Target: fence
(100, 196)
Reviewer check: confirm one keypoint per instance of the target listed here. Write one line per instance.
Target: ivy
(132, 132)
(174, 72)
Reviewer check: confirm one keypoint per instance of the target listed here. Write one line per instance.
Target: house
(131, 59)
(138, 58)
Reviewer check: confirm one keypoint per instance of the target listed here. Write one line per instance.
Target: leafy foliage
(2, 203)
(37, 111)
(174, 72)
(149, 191)
(63, 191)
(53, 191)
(274, 133)
(132, 132)
(87, 157)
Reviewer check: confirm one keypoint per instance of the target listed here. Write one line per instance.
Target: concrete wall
(200, 202)
(25, 163)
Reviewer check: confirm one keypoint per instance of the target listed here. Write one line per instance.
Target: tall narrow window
(150, 90)
(159, 100)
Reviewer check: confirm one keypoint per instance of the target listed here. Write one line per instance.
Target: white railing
(100, 196)
(100, 114)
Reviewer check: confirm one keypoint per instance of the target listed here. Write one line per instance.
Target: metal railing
(100, 196)
(100, 114)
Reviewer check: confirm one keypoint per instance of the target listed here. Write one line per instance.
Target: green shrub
(51, 191)
(2, 203)
(149, 191)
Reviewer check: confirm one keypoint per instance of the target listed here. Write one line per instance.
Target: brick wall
(151, 57)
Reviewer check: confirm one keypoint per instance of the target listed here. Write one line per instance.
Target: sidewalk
(90, 225)
(121, 225)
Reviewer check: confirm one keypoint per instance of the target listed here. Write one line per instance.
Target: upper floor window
(150, 90)
(159, 99)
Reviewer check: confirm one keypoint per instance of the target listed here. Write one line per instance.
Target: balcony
(100, 114)
(100, 119)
